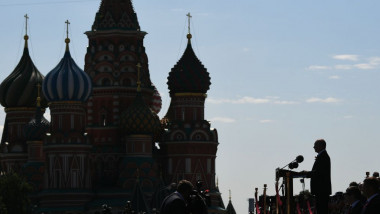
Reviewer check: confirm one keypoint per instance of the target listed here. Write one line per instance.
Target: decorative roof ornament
(189, 74)
(138, 118)
(67, 82)
(18, 89)
(37, 128)
(67, 40)
(116, 14)
(26, 37)
(189, 36)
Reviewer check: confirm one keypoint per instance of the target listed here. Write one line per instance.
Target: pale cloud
(374, 60)
(364, 66)
(284, 102)
(246, 49)
(320, 100)
(266, 121)
(343, 67)
(334, 77)
(318, 67)
(251, 100)
(348, 117)
(349, 57)
(242, 100)
(223, 120)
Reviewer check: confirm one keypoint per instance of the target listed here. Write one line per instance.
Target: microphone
(299, 159)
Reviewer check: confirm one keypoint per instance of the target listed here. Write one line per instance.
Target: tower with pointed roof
(189, 144)
(116, 45)
(67, 88)
(18, 94)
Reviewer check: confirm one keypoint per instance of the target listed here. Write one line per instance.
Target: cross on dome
(67, 40)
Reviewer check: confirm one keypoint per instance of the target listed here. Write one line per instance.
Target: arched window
(106, 82)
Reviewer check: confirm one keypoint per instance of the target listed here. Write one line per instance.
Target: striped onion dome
(67, 82)
(156, 101)
(19, 88)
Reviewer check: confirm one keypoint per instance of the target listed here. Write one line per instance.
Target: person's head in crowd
(352, 194)
(375, 174)
(370, 186)
(354, 184)
(185, 187)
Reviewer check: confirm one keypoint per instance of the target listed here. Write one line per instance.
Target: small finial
(26, 37)
(230, 195)
(38, 95)
(67, 40)
(138, 77)
(189, 34)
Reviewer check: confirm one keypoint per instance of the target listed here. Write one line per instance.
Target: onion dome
(19, 88)
(156, 101)
(36, 129)
(67, 82)
(140, 119)
(189, 75)
(116, 14)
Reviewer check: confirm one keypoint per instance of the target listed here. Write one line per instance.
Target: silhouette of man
(176, 202)
(371, 191)
(320, 177)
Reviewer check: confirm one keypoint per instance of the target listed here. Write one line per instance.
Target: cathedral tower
(189, 144)
(116, 45)
(18, 94)
(67, 149)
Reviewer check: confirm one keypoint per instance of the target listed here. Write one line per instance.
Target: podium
(288, 176)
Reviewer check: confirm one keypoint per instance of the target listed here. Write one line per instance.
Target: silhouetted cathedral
(105, 143)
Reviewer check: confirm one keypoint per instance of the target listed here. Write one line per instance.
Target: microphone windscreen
(299, 159)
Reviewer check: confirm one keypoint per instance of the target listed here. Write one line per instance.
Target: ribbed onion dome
(189, 74)
(140, 119)
(19, 89)
(67, 82)
(37, 128)
(156, 101)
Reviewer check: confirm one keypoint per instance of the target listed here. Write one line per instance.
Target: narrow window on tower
(209, 165)
(57, 178)
(104, 120)
(74, 179)
(170, 165)
(183, 114)
(72, 121)
(60, 122)
(188, 165)
(195, 114)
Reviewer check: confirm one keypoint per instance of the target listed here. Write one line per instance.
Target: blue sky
(284, 73)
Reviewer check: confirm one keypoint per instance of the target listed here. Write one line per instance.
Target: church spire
(26, 37)
(67, 40)
(189, 36)
(116, 14)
